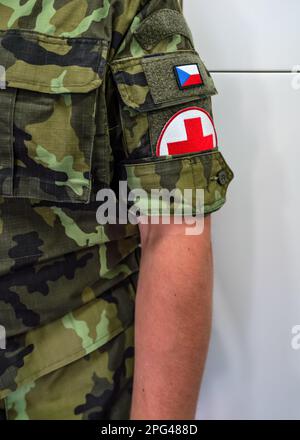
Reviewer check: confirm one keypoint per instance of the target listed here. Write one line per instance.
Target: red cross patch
(190, 130)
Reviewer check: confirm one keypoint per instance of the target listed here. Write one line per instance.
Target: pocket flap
(49, 64)
(150, 82)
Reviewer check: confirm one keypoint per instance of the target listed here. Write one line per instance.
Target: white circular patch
(188, 131)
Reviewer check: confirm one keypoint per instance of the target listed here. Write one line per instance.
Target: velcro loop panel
(162, 81)
(160, 25)
(136, 77)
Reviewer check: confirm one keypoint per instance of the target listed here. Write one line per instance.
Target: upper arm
(168, 138)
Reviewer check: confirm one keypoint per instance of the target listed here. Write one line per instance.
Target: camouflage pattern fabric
(102, 390)
(88, 89)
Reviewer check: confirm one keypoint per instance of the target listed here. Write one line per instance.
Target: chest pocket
(48, 95)
(150, 95)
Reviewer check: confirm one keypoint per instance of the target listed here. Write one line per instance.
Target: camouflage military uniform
(89, 86)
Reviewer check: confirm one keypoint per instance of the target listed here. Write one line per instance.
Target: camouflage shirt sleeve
(164, 137)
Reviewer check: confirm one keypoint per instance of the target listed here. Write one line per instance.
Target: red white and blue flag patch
(188, 75)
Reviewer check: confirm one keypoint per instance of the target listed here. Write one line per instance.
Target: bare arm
(173, 320)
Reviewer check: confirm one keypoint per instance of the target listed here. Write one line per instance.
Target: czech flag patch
(188, 75)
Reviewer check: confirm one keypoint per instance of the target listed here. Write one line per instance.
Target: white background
(251, 46)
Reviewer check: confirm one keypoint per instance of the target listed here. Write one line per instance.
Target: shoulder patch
(189, 130)
(188, 75)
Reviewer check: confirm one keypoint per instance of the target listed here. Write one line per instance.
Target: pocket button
(222, 177)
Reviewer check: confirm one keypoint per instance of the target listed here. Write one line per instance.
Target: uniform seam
(51, 184)
(169, 160)
(60, 38)
(209, 208)
(78, 86)
(11, 143)
(150, 127)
